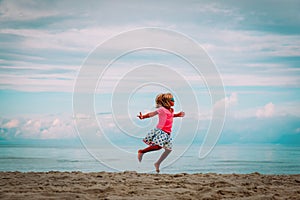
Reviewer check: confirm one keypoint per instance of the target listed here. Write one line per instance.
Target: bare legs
(148, 149)
(163, 156)
(140, 156)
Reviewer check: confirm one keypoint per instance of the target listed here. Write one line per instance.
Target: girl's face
(172, 101)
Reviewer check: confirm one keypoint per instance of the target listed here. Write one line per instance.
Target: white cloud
(259, 80)
(11, 124)
(249, 43)
(56, 126)
(284, 109)
(227, 101)
(81, 116)
(49, 127)
(56, 122)
(232, 99)
(229, 49)
(58, 130)
(59, 83)
(25, 10)
(243, 45)
(82, 40)
(267, 111)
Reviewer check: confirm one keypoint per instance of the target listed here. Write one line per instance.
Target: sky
(255, 46)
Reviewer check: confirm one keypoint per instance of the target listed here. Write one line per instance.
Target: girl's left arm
(180, 114)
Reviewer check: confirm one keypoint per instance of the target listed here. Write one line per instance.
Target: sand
(132, 185)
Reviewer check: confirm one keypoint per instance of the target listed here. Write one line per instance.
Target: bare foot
(156, 167)
(140, 156)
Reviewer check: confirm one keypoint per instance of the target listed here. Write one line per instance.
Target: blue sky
(254, 44)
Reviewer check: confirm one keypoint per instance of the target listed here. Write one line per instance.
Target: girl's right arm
(148, 115)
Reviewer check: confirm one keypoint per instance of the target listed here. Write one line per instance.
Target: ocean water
(224, 159)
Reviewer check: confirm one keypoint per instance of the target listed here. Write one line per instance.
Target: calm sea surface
(265, 159)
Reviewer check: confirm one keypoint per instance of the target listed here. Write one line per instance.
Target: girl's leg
(163, 156)
(148, 149)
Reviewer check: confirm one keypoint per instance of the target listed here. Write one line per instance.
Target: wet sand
(132, 185)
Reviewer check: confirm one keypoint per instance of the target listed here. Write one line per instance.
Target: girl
(159, 137)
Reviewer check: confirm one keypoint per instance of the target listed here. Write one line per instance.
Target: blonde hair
(163, 100)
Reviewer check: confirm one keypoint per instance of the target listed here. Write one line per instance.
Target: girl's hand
(140, 116)
(148, 115)
(181, 114)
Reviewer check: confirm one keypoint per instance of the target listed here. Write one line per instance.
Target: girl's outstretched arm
(180, 114)
(150, 114)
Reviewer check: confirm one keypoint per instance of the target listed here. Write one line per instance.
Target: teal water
(224, 159)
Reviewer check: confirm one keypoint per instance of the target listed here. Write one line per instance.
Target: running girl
(160, 137)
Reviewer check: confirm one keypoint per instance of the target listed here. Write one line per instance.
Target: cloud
(56, 126)
(278, 130)
(232, 99)
(11, 124)
(54, 34)
(256, 79)
(48, 127)
(246, 110)
(267, 111)
(227, 101)
(13, 10)
(238, 70)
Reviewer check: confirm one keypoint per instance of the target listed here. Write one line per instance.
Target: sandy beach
(132, 185)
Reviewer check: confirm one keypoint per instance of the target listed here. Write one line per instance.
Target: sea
(223, 159)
